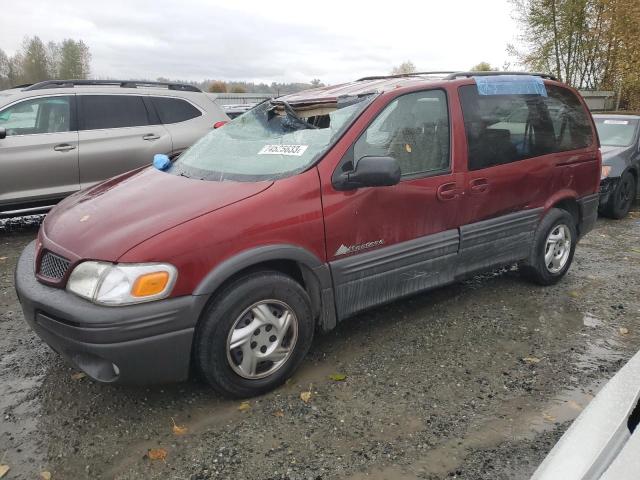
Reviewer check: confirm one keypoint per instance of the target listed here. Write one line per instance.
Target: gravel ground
(473, 381)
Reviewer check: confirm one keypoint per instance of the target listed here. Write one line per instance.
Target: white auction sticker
(617, 122)
(293, 150)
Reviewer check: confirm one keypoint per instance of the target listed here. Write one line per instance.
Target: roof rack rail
(454, 75)
(23, 85)
(402, 75)
(451, 75)
(184, 87)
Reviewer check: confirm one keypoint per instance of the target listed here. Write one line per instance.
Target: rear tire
(622, 197)
(554, 244)
(254, 334)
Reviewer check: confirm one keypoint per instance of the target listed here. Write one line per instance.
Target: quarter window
(112, 111)
(38, 115)
(174, 110)
(506, 128)
(413, 129)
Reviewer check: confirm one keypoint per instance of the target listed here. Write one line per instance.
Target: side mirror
(370, 172)
(3, 133)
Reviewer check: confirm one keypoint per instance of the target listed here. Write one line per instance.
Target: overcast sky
(280, 40)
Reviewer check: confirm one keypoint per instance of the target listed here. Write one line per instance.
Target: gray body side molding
(316, 274)
(496, 241)
(389, 273)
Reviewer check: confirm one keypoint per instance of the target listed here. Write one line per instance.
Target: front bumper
(607, 187)
(145, 343)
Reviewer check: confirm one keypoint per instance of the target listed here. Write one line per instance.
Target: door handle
(151, 136)
(447, 191)
(63, 147)
(479, 185)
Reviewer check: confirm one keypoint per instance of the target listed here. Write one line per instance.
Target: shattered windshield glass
(271, 141)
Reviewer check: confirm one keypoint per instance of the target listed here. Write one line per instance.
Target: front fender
(316, 274)
(255, 256)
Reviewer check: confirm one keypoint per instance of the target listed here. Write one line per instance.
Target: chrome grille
(53, 266)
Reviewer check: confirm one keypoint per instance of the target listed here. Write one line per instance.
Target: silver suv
(59, 136)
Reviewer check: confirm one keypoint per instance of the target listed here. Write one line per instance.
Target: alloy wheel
(557, 248)
(262, 339)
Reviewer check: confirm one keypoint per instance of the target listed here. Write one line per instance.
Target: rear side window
(413, 129)
(112, 111)
(174, 110)
(506, 128)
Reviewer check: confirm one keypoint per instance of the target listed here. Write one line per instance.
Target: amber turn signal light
(150, 284)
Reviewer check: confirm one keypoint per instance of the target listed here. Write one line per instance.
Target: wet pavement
(473, 381)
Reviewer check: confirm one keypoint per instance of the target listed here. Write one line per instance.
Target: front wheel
(254, 334)
(553, 247)
(622, 197)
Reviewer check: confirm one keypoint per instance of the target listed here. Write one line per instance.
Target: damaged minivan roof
(382, 83)
(359, 87)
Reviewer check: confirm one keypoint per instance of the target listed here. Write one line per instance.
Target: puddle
(589, 320)
(20, 416)
(389, 473)
(519, 420)
(598, 351)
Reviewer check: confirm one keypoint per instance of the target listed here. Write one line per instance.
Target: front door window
(37, 115)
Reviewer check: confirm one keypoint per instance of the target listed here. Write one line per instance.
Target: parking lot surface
(473, 381)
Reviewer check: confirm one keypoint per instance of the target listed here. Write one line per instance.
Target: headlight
(606, 170)
(122, 284)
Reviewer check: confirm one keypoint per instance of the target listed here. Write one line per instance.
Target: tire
(622, 197)
(280, 311)
(537, 268)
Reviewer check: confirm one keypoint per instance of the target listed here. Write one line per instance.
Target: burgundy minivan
(304, 211)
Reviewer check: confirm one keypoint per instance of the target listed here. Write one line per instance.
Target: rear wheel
(622, 197)
(553, 248)
(254, 334)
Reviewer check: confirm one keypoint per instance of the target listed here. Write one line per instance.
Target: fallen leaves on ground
(244, 406)
(531, 360)
(3, 470)
(45, 475)
(2, 259)
(278, 413)
(78, 375)
(178, 429)
(338, 377)
(623, 330)
(157, 454)
(306, 395)
(548, 418)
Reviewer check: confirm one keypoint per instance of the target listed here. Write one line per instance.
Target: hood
(106, 220)
(610, 153)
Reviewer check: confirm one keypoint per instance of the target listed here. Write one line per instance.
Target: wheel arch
(296, 262)
(570, 205)
(634, 171)
(565, 200)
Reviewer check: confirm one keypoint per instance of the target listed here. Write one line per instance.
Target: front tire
(254, 334)
(622, 197)
(554, 244)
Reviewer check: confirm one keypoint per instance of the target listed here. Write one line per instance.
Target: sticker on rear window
(292, 150)
(617, 122)
(510, 85)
